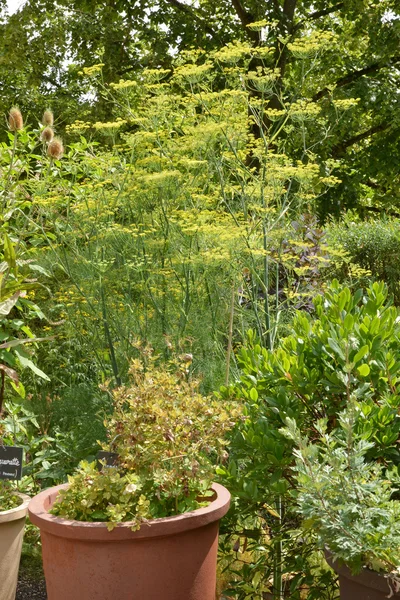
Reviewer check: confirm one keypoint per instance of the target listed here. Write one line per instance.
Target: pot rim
(19, 512)
(91, 531)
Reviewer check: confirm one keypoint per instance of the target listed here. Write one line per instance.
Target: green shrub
(8, 497)
(374, 245)
(348, 347)
(349, 502)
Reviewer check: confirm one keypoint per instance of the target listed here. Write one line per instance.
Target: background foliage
(45, 45)
(223, 162)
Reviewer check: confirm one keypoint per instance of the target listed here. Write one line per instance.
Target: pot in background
(367, 585)
(12, 524)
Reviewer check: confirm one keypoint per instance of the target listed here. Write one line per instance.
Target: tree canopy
(45, 45)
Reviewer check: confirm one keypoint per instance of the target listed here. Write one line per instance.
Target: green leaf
(348, 321)
(26, 362)
(253, 394)
(99, 515)
(27, 331)
(18, 342)
(364, 370)
(20, 389)
(336, 348)
(9, 253)
(39, 269)
(363, 351)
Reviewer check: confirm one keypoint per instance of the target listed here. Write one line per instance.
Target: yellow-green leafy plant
(8, 497)
(168, 438)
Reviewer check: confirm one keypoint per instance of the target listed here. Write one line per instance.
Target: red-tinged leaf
(7, 305)
(10, 372)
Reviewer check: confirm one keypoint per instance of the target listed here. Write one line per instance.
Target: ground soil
(35, 589)
(30, 588)
(31, 584)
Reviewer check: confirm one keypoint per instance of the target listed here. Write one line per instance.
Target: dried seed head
(15, 120)
(188, 358)
(55, 149)
(47, 135)
(48, 118)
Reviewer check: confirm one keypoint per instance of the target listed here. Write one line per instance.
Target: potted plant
(352, 505)
(347, 457)
(13, 511)
(147, 526)
(348, 345)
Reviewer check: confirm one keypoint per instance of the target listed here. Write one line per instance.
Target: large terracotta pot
(12, 523)
(367, 585)
(167, 559)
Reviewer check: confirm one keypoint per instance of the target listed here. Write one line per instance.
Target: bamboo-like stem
(230, 336)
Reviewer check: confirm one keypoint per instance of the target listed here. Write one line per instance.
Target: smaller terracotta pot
(12, 523)
(174, 558)
(367, 585)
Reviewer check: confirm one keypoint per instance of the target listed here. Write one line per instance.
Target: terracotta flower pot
(367, 585)
(167, 559)
(12, 523)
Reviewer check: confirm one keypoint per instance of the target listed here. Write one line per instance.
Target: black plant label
(10, 462)
(106, 460)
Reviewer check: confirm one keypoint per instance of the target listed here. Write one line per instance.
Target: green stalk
(230, 336)
(2, 375)
(266, 287)
(14, 148)
(277, 580)
(108, 337)
(268, 342)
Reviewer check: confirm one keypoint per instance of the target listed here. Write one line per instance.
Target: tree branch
(340, 149)
(52, 81)
(326, 11)
(191, 13)
(289, 8)
(277, 6)
(245, 18)
(318, 14)
(354, 75)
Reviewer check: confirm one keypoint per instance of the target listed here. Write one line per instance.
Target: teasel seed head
(47, 135)
(48, 118)
(55, 149)
(15, 120)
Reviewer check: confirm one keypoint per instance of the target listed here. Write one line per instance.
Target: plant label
(109, 459)
(10, 462)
